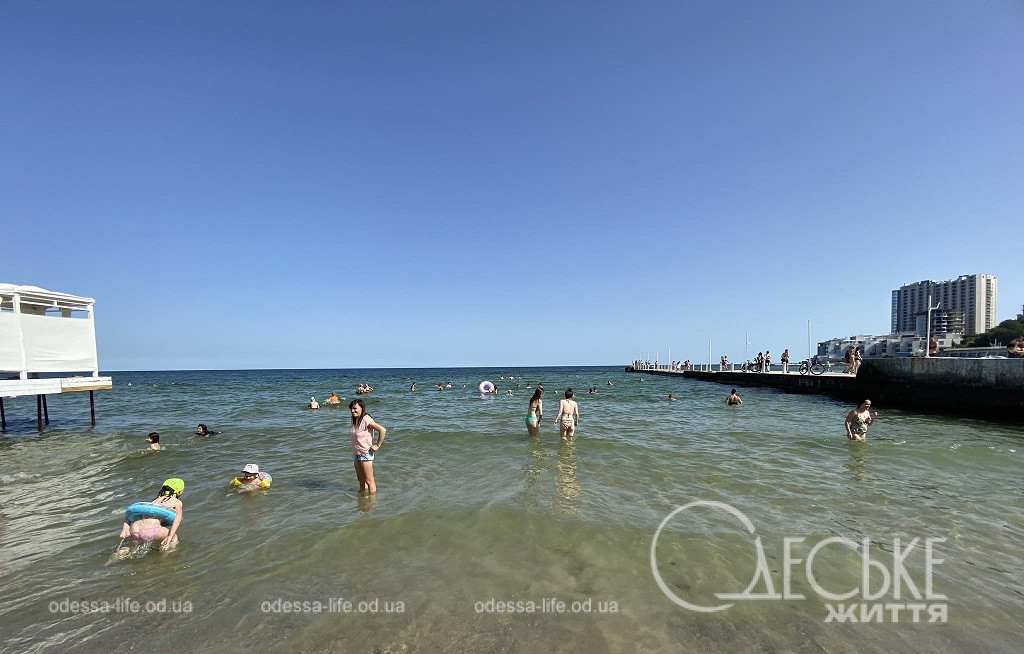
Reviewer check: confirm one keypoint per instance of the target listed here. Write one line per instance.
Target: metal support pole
(39, 412)
(92, 407)
(46, 411)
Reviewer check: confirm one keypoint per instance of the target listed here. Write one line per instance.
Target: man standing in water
(733, 399)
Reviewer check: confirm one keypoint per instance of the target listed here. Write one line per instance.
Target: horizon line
(364, 368)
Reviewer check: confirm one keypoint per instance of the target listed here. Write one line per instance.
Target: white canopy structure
(45, 335)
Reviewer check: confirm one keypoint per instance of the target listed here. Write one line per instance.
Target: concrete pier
(835, 384)
(985, 388)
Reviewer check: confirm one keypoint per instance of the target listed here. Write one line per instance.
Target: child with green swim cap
(146, 530)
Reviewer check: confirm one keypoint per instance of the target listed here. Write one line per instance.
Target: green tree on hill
(1002, 333)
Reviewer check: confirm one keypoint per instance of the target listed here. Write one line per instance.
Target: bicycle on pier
(815, 367)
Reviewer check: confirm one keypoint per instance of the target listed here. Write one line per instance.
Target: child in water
(363, 447)
(251, 478)
(154, 441)
(148, 530)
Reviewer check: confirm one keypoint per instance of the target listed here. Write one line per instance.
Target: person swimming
(251, 478)
(203, 430)
(333, 399)
(412, 387)
(670, 398)
(154, 441)
(733, 399)
(149, 530)
(313, 404)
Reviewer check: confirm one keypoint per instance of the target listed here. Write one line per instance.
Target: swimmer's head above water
(250, 472)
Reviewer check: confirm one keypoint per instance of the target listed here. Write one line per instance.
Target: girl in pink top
(363, 447)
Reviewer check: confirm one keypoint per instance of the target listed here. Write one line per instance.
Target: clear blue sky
(267, 184)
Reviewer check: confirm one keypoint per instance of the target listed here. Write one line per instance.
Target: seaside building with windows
(968, 305)
(889, 345)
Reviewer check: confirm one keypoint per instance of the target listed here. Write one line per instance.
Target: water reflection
(567, 486)
(858, 463)
(365, 503)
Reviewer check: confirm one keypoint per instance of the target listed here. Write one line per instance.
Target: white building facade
(974, 296)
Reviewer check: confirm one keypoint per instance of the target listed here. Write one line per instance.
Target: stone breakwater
(987, 388)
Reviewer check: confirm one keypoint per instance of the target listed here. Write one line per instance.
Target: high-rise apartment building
(975, 296)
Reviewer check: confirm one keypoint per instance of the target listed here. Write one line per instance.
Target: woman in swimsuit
(363, 447)
(535, 413)
(147, 530)
(568, 418)
(858, 420)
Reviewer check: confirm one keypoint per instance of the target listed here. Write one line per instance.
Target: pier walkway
(839, 385)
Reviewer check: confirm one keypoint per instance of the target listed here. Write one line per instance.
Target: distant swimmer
(363, 446)
(734, 399)
(670, 398)
(156, 521)
(313, 404)
(252, 478)
(439, 387)
(203, 430)
(412, 387)
(448, 385)
(858, 421)
(610, 383)
(333, 399)
(363, 389)
(568, 418)
(535, 413)
(154, 441)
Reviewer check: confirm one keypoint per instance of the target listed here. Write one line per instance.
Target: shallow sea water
(474, 521)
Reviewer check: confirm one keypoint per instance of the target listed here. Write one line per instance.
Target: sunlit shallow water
(471, 513)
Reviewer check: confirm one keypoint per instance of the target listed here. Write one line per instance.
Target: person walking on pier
(723, 363)
(849, 359)
(767, 361)
(1015, 348)
(759, 362)
(785, 361)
